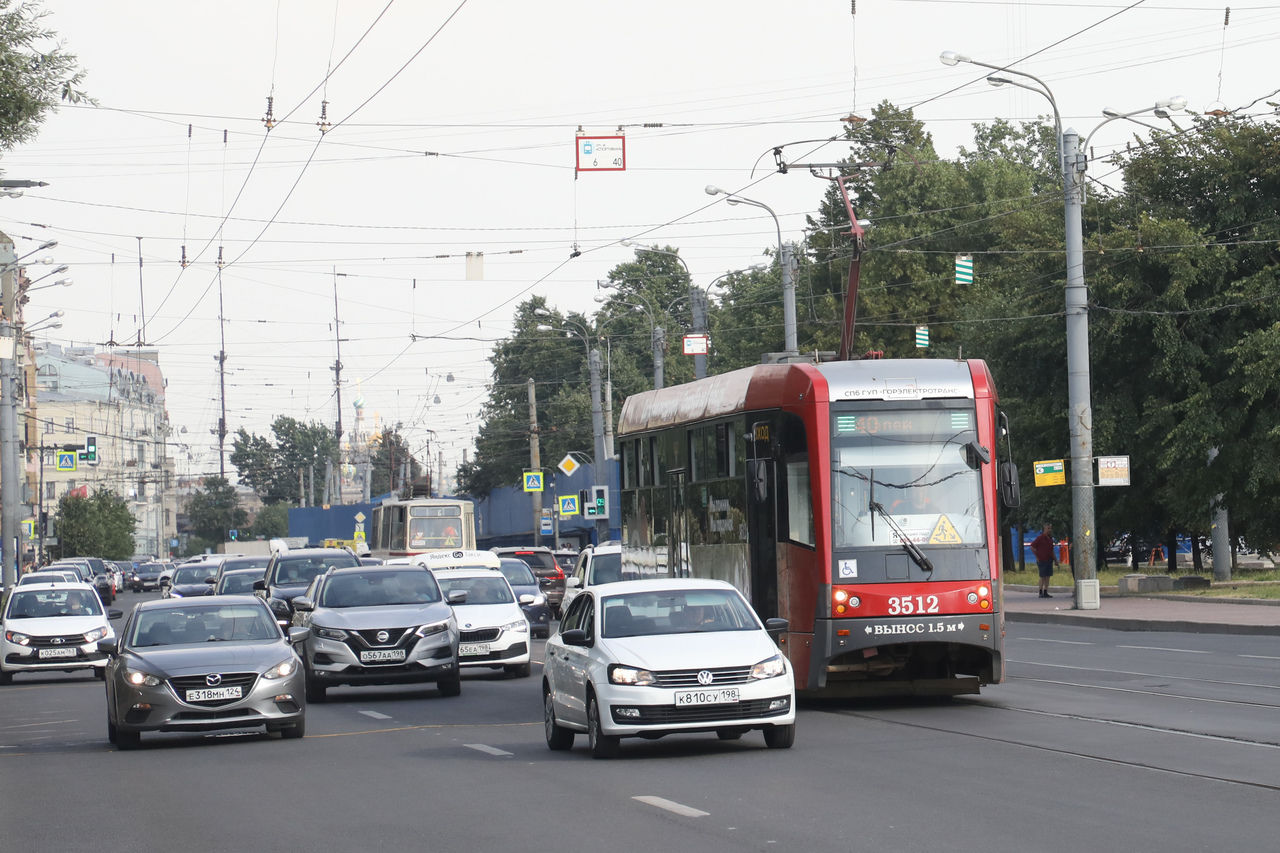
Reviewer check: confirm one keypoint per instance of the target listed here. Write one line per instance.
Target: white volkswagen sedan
(656, 657)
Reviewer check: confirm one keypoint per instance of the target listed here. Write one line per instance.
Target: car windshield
(606, 568)
(517, 573)
(150, 569)
(194, 574)
(480, 590)
(203, 624)
(303, 570)
(642, 614)
(237, 582)
(47, 577)
(379, 588)
(46, 603)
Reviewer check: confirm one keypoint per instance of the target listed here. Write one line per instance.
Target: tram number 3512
(907, 605)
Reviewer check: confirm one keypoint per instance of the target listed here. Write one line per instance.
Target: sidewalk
(1145, 613)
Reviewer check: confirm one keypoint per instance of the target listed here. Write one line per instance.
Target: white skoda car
(656, 657)
(492, 628)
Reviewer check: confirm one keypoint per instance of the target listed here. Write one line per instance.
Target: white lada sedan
(656, 657)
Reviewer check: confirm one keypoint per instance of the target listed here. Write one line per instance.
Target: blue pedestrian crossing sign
(569, 505)
(533, 481)
(66, 460)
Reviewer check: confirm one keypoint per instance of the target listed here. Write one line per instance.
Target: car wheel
(6, 677)
(520, 670)
(602, 745)
(112, 735)
(297, 730)
(450, 686)
(128, 740)
(315, 691)
(729, 734)
(780, 737)
(558, 737)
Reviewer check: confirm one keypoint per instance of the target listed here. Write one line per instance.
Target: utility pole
(699, 300)
(788, 303)
(597, 431)
(535, 461)
(337, 378)
(222, 376)
(659, 347)
(1084, 549)
(8, 414)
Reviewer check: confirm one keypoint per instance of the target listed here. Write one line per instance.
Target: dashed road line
(1163, 649)
(484, 747)
(375, 715)
(671, 806)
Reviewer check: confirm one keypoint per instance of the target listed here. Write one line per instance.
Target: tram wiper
(913, 550)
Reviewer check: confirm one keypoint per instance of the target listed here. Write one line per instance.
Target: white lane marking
(376, 715)
(672, 806)
(41, 723)
(1261, 657)
(1167, 677)
(1062, 642)
(484, 747)
(1163, 649)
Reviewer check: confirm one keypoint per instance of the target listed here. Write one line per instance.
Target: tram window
(629, 465)
(702, 453)
(799, 503)
(395, 527)
(724, 442)
(657, 458)
(646, 461)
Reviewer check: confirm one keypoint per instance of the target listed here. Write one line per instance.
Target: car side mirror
(775, 627)
(457, 596)
(299, 635)
(573, 583)
(526, 599)
(115, 614)
(260, 585)
(210, 580)
(303, 603)
(108, 647)
(575, 637)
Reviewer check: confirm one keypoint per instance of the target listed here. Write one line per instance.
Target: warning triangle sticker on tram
(944, 533)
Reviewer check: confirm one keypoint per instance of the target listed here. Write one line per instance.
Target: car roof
(59, 585)
(457, 558)
(659, 584)
(178, 603)
(511, 549)
(380, 567)
(309, 552)
(467, 572)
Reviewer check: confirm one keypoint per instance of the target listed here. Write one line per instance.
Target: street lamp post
(657, 334)
(1073, 164)
(784, 258)
(697, 305)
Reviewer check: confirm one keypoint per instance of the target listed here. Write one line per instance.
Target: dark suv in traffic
(543, 562)
(290, 573)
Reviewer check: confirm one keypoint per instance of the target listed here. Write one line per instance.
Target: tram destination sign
(927, 422)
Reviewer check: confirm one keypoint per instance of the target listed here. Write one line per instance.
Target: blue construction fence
(505, 517)
(1117, 549)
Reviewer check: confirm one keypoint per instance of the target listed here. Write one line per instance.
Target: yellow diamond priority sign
(568, 465)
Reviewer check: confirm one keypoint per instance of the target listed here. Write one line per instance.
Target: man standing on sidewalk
(1046, 561)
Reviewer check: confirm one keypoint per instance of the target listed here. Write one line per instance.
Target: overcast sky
(453, 131)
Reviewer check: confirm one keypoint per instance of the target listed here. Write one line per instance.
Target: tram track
(1072, 752)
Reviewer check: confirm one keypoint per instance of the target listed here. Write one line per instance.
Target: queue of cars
(233, 645)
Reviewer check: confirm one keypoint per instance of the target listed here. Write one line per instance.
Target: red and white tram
(858, 500)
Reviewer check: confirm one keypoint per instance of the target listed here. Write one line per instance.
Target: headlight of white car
(521, 625)
(281, 670)
(619, 674)
(770, 668)
(433, 628)
(96, 634)
(329, 633)
(15, 637)
(140, 679)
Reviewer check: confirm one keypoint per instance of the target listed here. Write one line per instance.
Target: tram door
(762, 521)
(678, 529)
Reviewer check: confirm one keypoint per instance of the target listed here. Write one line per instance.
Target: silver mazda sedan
(202, 664)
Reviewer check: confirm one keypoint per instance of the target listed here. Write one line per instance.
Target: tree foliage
(270, 466)
(36, 73)
(214, 510)
(100, 525)
(389, 452)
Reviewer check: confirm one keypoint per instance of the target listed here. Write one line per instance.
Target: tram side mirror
(1010, 491)
(976, 455)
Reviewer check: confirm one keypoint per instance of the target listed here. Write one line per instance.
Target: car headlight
(173, 593)
(433, 628)
(95, 635)
(134, 577)
(521, 625)
(281, 670)
(141, 679)
(329, 633)
(770, 668)
(619, 674)
(15, 637)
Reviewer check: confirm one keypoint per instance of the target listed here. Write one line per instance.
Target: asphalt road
(1098, 740)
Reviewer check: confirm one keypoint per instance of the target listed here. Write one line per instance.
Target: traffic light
(91, 449)
(585, 506)
(600, 501)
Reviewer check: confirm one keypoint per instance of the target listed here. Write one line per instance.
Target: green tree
(388, 454)
(97, 526)
(270, 466)
(272, 521)
(214, 510)
(36, 73)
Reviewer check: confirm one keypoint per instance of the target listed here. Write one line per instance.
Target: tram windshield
(434, 533)
(921, 467)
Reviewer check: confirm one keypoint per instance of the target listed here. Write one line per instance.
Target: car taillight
(559, 575)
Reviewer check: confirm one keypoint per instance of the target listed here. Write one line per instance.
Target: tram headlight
(973, 598)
